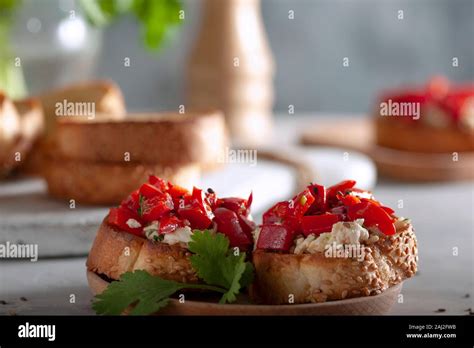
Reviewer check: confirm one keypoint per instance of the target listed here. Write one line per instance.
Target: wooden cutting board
(358, 134)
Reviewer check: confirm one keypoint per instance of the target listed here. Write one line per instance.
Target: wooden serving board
(358, 134)
(370, 305)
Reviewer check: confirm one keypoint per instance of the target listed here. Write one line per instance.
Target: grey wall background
(383, 51)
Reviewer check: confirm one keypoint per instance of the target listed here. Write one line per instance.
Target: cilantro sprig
(223, 269)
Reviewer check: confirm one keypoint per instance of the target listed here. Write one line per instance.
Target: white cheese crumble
(151, 231)
(352, 233)
(180, 235)
(132, 223)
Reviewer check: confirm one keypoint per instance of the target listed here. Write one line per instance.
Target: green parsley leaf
(217, 265)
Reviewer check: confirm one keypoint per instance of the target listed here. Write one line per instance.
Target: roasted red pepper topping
(318, 224)
(317, 209)
(274, 237)
(228, 223)
(175, 207)
(123, 218)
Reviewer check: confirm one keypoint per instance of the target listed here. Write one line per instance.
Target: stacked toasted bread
(104, 96)
(100, 161)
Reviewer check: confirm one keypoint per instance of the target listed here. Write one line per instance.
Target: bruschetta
(330, 244)
(151, 228)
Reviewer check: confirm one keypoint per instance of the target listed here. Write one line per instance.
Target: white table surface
(443, 215)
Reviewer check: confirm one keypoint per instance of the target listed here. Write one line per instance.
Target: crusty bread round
(108, 183)
(303, 278)
(405, 136)
(147, 138)
(115, 252)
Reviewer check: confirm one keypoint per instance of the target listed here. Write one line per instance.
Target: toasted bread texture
(105, 95)
(108, 183)
(165, 138)
(406, 136)
(115, 252)
(304, 278)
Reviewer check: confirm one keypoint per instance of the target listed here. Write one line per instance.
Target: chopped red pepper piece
(196, 216)
(319, 193)
(301, 203)
(343, 186)
(247, 225)
(149, 191)
(119, 217)
(228, 223)
(318, 224)
(373, 215)
(350, 200)
(155, 207)
(132, 202)
(169, 224)
(277, 213)
(161, 184)
(274, 237)
(237, 205)
(176, 191)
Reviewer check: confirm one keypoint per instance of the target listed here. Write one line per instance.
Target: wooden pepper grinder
(231, 68)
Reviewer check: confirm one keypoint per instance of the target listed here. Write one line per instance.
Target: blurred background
(308, 50)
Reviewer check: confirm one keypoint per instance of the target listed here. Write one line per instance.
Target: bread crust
(106, 96)
(108, 183)
(397, 134)
(115, 252)
(198, 136)
(304, 278)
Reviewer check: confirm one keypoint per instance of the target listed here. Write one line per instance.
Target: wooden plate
(358, 134)
(371, 305)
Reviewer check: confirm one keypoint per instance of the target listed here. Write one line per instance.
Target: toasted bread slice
(104, 95)
(304, 278)
(109, 183)
(115, 252)
(146, 138)
(394, 134)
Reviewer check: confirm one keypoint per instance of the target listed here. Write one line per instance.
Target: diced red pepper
(228, 223)
(277, 213)
(318, 224)
(373, 215)
(247, 225)
(149, 191)
(319, 193)
(301, 203)
(196, 216)
(169, 224)
(155, 207)
(161, 184)
(176, 191)
(237, 205)
(132, 202)
(389, 211)
(350, 200)
(118, 217)
(343, 186)
(274, 237)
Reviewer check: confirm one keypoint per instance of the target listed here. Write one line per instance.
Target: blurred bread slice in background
(102, 160)
(106, 98)
(105, 95)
